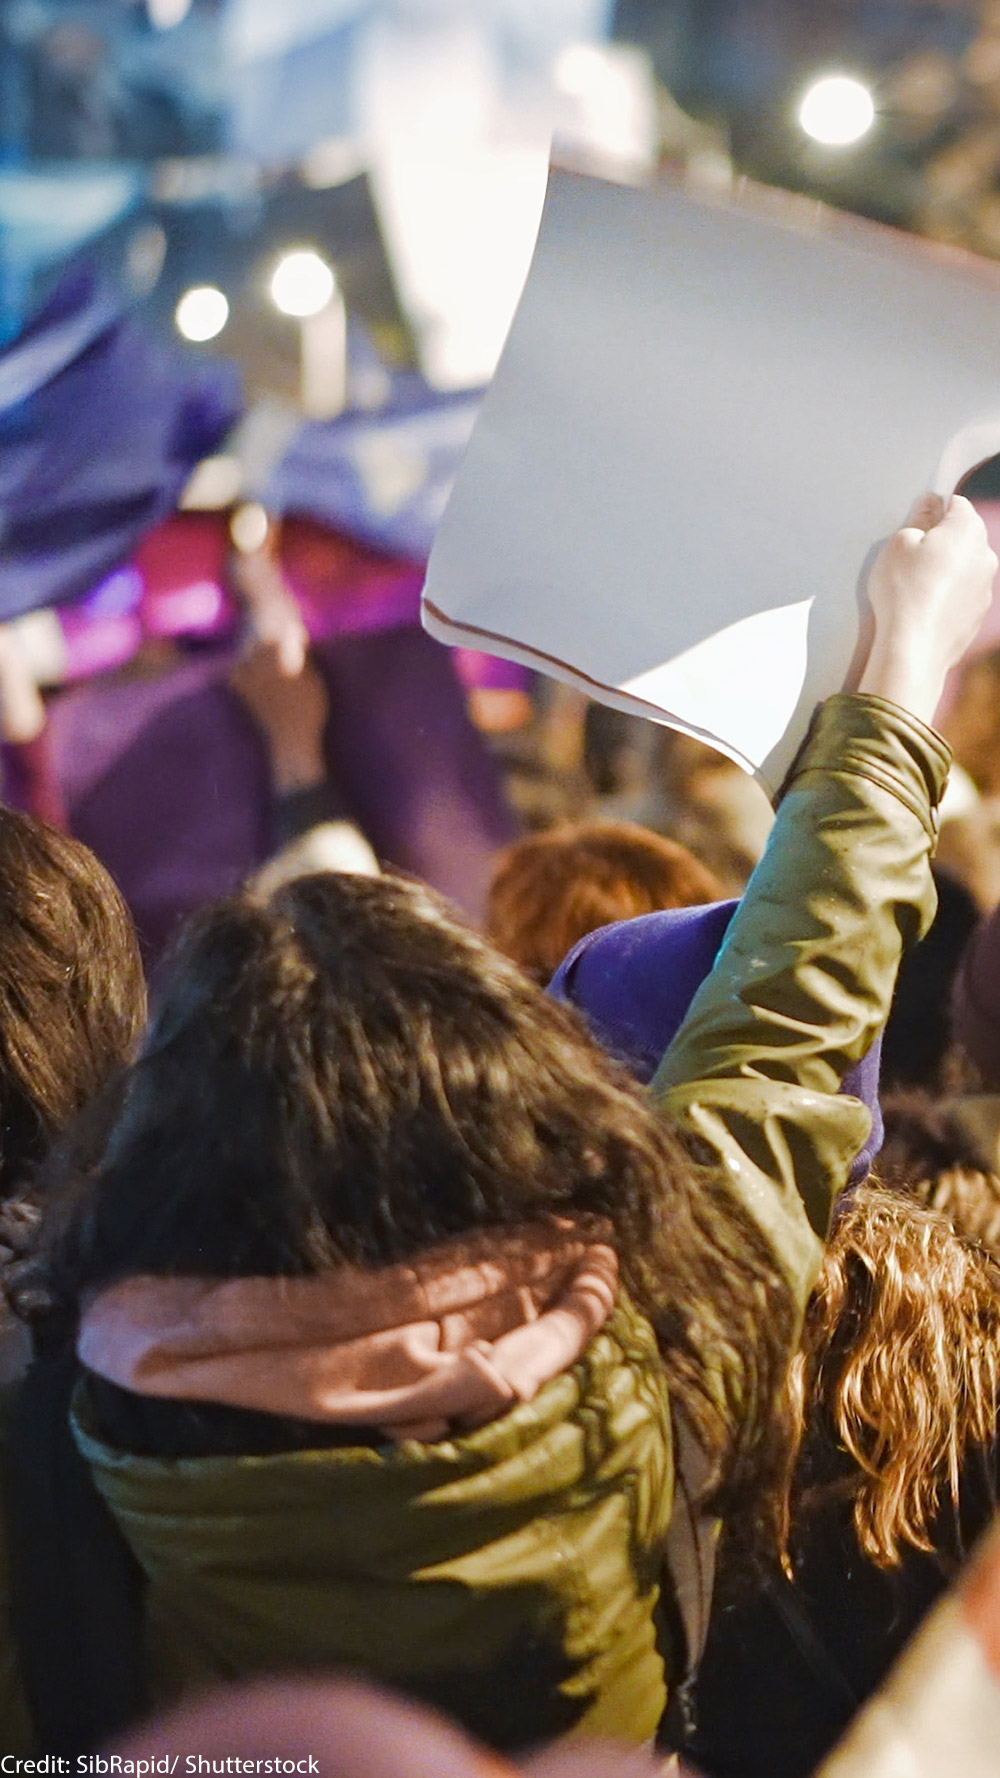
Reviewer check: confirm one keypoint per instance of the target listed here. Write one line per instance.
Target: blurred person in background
(173, 766)
(550, 889)
(313, 828)
(970, 817)
(972, 724)
(918, 1048)
(350, 1730)
(675, 785)
(976, 1000)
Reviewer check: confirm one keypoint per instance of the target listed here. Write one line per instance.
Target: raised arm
(805, 976)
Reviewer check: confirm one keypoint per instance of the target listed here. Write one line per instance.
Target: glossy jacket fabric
(512, 1575)
(616, 977)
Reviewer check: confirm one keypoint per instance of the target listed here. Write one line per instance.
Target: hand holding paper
(705, 412)
(930, 588)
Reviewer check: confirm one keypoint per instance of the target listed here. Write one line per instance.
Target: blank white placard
(705, 413)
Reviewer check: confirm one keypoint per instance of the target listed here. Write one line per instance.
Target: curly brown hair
(899, 1368)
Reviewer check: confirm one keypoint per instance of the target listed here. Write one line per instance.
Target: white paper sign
(705, 413)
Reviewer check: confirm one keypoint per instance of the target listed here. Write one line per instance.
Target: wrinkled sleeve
(804, 979)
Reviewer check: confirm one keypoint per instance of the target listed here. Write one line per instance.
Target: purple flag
(382, 476)
(100, 427)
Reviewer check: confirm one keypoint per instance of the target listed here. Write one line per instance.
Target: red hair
(551, 889)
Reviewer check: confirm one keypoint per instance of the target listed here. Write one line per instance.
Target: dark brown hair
(551, 889)
(72, 994)
(943, 1152)
(347, 1075)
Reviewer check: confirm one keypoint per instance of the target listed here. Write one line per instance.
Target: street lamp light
(837, 111)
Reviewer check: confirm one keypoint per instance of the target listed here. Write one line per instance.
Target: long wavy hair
(898, 1373)
(346, 1076)
(72, 992)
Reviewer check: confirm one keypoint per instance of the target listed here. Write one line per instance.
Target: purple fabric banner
(100, 427)
(382, 476)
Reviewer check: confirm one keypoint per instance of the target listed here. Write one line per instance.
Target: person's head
(72, 994)
(898, 1372)
(551, 889)
(347, 1076)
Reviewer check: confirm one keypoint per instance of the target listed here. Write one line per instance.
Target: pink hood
(449, 1340)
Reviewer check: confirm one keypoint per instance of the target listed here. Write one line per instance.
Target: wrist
(904, 675)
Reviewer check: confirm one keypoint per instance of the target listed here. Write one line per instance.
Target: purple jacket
(634, 981)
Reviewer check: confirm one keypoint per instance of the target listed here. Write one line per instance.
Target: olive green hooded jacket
(513, 1575)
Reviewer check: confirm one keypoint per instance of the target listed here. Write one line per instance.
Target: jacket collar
(450, 1339)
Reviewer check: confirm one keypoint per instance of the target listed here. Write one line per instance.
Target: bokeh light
(201, 313)
(837, 111)
(302, 284)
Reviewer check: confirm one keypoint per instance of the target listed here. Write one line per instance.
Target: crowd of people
(588, 1331)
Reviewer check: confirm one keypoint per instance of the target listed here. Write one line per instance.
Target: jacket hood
(451, 1339)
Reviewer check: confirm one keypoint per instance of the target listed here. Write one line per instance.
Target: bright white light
(837, 111)
(165, 14)
(201, 313)
(302, 284)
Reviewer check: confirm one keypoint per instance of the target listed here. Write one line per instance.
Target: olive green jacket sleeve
(803, 982)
